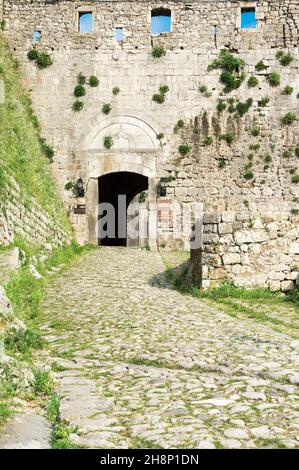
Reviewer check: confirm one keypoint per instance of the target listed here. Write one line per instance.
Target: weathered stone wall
(210, 174)
(250, 251)
(26, 219)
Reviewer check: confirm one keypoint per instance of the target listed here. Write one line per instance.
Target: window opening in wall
(248, 18)
(85, 22)
(119, 34)
(36, 37)
(161, 21)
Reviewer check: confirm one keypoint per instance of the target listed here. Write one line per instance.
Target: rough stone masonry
(242, 168)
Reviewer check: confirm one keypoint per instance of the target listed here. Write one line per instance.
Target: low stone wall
(251, 252)
(27, 220)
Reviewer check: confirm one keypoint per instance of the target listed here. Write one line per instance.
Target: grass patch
(61, 431)
(5, 413)
(140, 443)
(22, 154)
(43, 383)
(274, 443)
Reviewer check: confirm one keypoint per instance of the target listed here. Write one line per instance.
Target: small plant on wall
(260, 66)
(288, 119)
(81, 79)
(160, 97)
(228, 137)
(184, 149)
(69, 185)
(243, 108)
(285, 58)
(106, 108)
(116, 90)
(108, 141)
(231, 67)
(288, 90)
(274, 79)
(47, 150)
(78, 106)
(41, 58)
(79, 91)
(179, 125)
(263, 101)
(158, 52)
(249, 175)
(208, 140)
(205, 91)
(252, 82)
(93, 81)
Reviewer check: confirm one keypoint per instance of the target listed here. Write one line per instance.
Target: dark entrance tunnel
(111, 187)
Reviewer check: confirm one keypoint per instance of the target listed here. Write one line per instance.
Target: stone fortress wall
(28, 220)
(251, 226)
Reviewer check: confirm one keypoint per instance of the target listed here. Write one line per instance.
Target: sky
(160, 24)
(248, 20)
(85, 23)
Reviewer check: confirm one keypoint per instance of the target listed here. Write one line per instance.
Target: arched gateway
(127, 168)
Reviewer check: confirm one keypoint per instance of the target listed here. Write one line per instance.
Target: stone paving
(141, 365)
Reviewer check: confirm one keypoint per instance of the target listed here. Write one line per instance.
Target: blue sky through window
(36, 37)
(119, 34)
(248, 19)
(160, 24)
(85, 22)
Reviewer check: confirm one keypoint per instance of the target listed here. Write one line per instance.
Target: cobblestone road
(141, 365)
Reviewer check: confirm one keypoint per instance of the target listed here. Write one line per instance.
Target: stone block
(225, 228)
(231, 258)
(228, 217)
(287, 286)
(211, 218)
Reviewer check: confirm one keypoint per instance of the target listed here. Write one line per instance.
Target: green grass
(25, 292)
(140, 443)
(255, 303)
(5, 413)
(43, 384)
(22, 154)
(61, 431)
(273, 443)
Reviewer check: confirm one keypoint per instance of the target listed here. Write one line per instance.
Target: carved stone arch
(135, 144)
(135, 149)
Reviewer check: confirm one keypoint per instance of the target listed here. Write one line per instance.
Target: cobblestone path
(141, 365)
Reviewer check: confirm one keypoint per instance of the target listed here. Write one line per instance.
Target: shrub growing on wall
(108, 141)
(263, 101)
(79, 91)
(274, 79)
(47, 150)
(288, 118)
(260, 66)
(288, 90)
(106, 108)
(252, 82)
(78, 106)
(41, 58)
(184, 149)
(243, 108)
(81, 79)
(285, 58)
(116, 90)
(231, 67)
(228, 137)
(93, 81)
(158, 52)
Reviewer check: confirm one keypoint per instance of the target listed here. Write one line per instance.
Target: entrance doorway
(116, 192)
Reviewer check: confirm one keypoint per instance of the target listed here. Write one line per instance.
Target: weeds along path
(140, 365)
